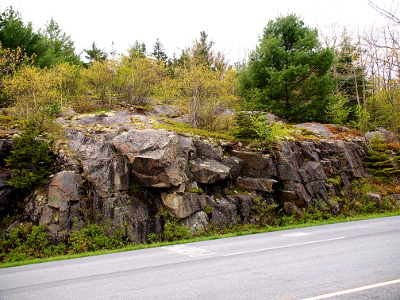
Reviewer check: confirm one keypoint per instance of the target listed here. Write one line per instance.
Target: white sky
(233, 25)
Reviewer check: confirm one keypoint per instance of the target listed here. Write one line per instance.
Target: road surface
(352, 260)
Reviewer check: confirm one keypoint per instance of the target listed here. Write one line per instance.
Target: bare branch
(385, 13)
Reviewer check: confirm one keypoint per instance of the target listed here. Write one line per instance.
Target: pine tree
(288, 71)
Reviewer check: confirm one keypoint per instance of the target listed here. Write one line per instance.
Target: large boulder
(208, 171)
(182, 205)
(157, 157)
(224, 213)
(256, 164)
(196, 222)
(62, 208)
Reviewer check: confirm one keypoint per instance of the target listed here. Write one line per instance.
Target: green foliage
(32, 160)
(348, 71)
(92, 238)
(159, 52)
(137, 50)
(384, 107)
(263, 213)
(59, 47)
(15, 34)
(95, 54)
(136, 78)
(27, 241)
(174, 232)
(338, 111)
(288, 71)
(48, 47)
(383, 159)
(254, 126)
(99, 78)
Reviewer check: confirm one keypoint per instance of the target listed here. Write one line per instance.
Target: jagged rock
(207, 150)
(310, 151)
(183, 205)
(235, 164)
(224, 213)
(157, 158)
(62, 189)
(139, 231)
(311, 171)
(243, 203)
(112, 118)
(292, 210)
(208, 171)
(196, 222)
(351, 155)
(255, 164)
(289, 162)
(255, 184)
(302, 198)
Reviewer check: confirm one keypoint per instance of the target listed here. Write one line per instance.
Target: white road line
(187, 250)
(286, 246)
(359, 289)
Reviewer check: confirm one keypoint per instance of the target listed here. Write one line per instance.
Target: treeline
(293, 72)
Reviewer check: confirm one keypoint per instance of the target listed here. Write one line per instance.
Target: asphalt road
(353, 260)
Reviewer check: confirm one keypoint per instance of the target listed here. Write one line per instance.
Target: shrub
(92, 238)
(263, 213)
(174, 232)
(383, 159)
(32, 160)
(27, 241)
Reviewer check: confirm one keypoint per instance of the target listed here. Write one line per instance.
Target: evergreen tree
(288, 71)
(15, 34)
(137, 50)
(159, 52)
(60, 47)
(95, 54)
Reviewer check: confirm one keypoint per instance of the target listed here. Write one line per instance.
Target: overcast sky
(234, 26)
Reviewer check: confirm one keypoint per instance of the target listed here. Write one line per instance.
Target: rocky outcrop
(128, 179)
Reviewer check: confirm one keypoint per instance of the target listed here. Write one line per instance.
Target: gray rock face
(127, 178)
(224, 213)
(208, 171)
(196, 222)
(157, 158)
(255, 184)
(183, 205)
(61, 209)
